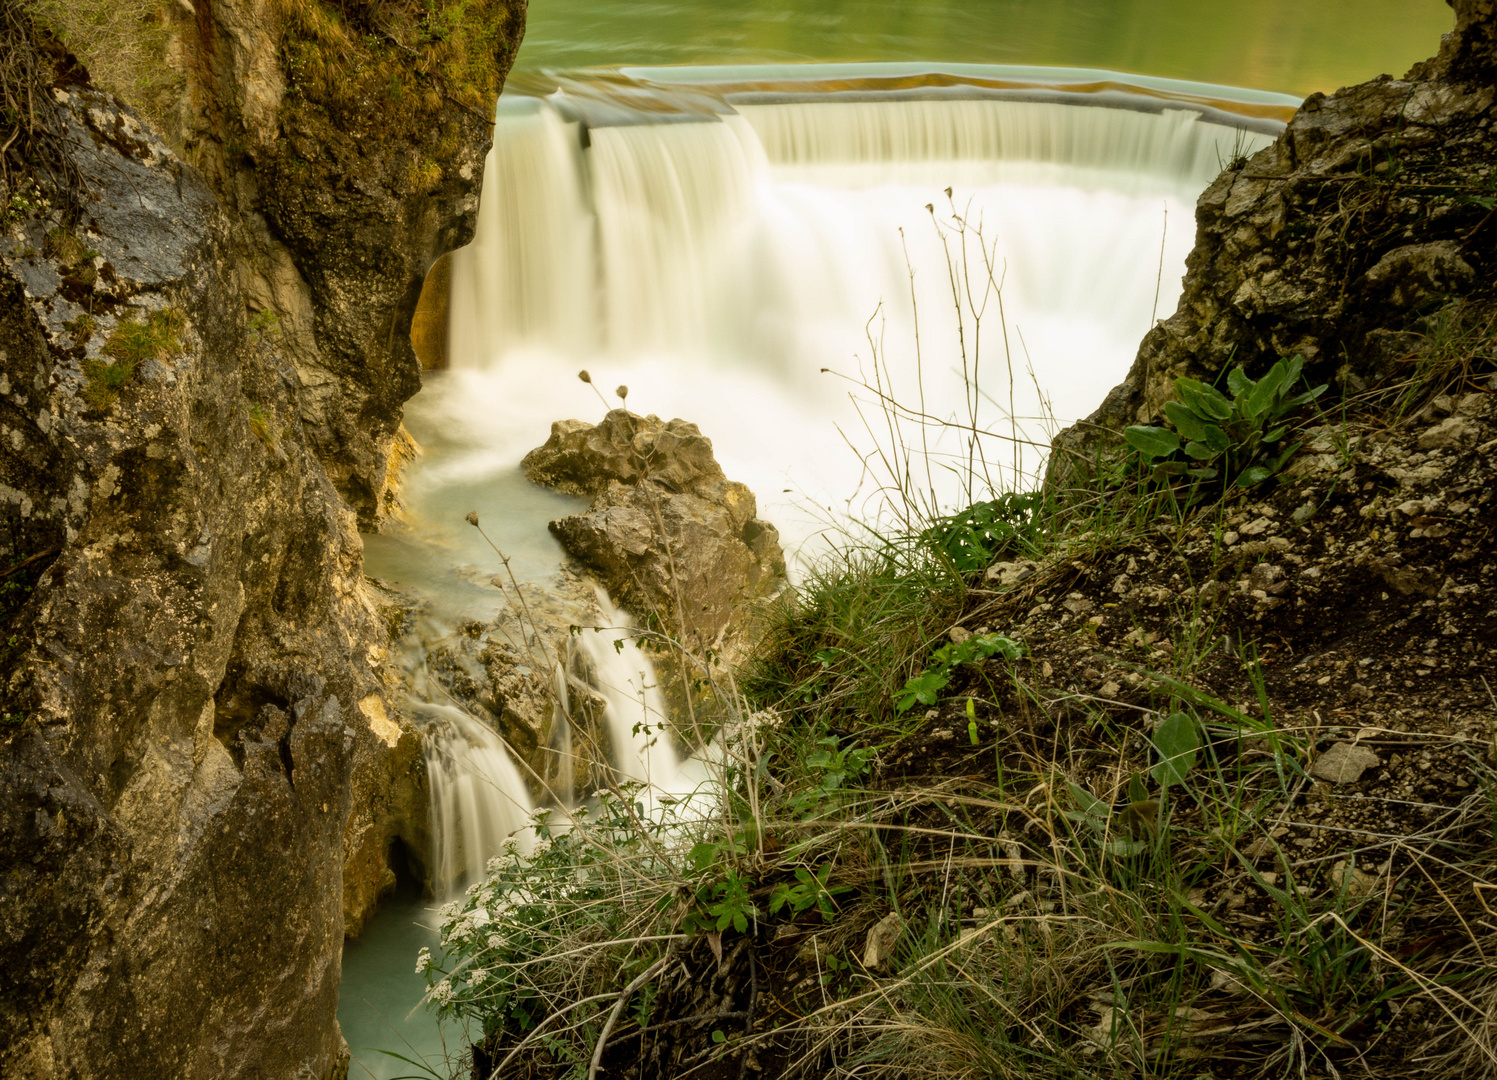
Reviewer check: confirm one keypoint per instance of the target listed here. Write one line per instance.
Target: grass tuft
(132, 342)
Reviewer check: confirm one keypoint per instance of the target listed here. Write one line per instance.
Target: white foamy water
(716, 258)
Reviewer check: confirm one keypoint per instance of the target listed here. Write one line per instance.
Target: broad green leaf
(1262, 396)
(1199, 451)
(1302, 399)
(1238, 382)
(1153, 442)
(1292, 367)
(1205, 401)
(1187, 423)
(1201, 474)
(1253, 476)
(1176, 741)
(1125, 848)
(998, 645)
(1138, 791)
(1217, 439)
(1095, 810)
(1276, 434)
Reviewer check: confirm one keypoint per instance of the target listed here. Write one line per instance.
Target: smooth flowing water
(715, 236)
(1285, 45)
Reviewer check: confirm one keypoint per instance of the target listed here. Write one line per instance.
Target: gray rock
(1447, 434)
(668, 535)
(1275, 274)
(1004, 574)
(883, 939)
(1344, 763)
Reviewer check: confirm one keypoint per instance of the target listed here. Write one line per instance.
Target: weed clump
(260, 424)
(132, 342)
(125, 45)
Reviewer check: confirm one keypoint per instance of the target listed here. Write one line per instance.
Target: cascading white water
(717, 247)
(714, 238)
(479, 801)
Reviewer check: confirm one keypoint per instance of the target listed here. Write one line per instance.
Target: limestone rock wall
(202, 761)
(181, 687)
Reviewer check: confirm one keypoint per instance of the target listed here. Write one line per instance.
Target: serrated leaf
(1175, 741)
(1205, 401)
(1153, 442)
(1187, 423)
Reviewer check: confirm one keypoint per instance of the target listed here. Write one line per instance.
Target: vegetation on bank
(1034, 790)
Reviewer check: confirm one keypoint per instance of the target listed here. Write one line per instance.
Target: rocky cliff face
(200, 380)
(1356, 239)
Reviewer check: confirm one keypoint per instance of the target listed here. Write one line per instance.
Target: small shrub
(973, 538)
(264, 325)
(1235, 441)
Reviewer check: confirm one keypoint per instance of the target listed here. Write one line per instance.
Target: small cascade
(479, 801)
(633, 710)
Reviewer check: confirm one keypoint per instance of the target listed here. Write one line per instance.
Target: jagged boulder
(672, 539)
(1347, 241)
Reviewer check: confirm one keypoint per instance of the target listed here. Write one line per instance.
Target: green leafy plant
(264, 325)
(810, 890)
(1176, 741)
(729, 903)
(259, 422)
(973, 538)
(925, 688)
(1237, 441)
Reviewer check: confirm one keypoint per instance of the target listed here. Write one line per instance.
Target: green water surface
(1293, 46)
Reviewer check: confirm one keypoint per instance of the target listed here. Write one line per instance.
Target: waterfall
(634, 710)
(717, 238)
(479, 799)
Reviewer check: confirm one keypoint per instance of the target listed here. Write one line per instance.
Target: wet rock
(668, 535)
(1344, 763)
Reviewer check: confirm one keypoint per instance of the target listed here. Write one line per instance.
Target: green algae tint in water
(380, 1009)
(1293, 46)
